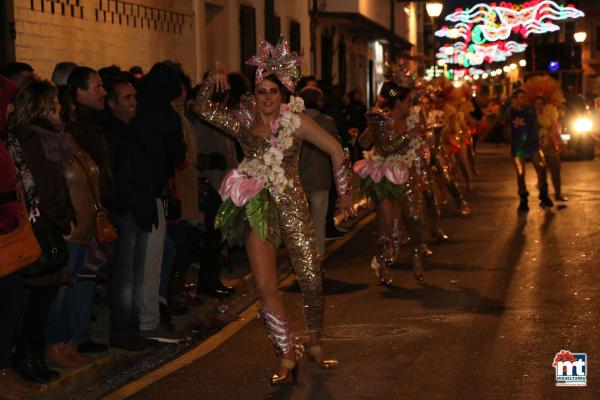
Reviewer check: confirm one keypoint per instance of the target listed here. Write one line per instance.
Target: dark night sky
(450, 5)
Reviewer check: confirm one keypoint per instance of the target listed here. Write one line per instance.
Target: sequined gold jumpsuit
(295, 224)
(387, 141)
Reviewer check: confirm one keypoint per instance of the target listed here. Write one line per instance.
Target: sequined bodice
(255, 147)
(386, 140)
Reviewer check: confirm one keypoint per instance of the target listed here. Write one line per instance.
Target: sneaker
(133, 343)
(161, 334)
(545, 200)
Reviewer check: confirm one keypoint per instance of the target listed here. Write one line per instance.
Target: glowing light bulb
(522, 63)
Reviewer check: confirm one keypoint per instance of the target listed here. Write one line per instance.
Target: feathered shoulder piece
(543, 86)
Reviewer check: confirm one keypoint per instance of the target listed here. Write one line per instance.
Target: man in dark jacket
(159, 126)
(133, 213)
(85, 89)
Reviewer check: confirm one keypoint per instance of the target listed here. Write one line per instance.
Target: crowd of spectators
(120, 144)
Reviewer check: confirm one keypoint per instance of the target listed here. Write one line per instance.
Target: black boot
(523, 207)
(545, 199)
(26, 363)
(39, 361)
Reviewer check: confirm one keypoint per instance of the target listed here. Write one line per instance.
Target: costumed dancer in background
(525, 146)
(437, 120)
(263, 199)
(392, 172)
(459, 134)
(545, 94)
(428, 114)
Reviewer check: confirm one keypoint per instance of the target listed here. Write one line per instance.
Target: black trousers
(12, 300)
(36, 314)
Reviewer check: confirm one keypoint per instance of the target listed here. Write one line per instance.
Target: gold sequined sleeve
(221, 117)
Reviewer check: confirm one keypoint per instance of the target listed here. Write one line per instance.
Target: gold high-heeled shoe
(315, 351)
(290, 376)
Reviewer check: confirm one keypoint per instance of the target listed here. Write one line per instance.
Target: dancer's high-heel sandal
(383, 273)
(290, 376)
(279, 333)
(464, 209)
(417, 264)
(439, 235)
(381, 263)
(315, 352)
(426, 251)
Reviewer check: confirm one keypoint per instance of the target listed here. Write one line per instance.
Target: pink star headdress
(278, 61)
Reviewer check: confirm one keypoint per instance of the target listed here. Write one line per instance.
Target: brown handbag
(105, 230)
(19, 248)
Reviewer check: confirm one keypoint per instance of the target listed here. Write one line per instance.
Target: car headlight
(582, 125)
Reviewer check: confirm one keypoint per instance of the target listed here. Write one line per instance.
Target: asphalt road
(503, 296)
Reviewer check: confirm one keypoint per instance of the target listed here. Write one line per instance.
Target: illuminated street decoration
(477, 54)
(492, 22)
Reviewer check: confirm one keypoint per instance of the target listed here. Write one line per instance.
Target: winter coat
(85, 129)
(83, 180)
(133, 180)
(11, 213)
(44, 147)
(160, 125)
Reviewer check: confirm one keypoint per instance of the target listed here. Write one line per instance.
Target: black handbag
(55, 254)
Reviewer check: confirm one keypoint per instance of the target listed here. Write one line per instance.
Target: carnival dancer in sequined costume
(525, 146)
(392, 173)
(432, 207)
(263, 200)
(545, 93)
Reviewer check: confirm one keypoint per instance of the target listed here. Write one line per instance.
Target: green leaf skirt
(258, 214)
(382, 189)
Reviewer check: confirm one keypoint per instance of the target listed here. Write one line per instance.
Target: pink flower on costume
(376, 171)
(361, 167)
(396, 174)
(240, 188)
(371, 168)
(274, 125)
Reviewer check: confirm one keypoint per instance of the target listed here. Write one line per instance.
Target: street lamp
(434, 10)
(580, 36)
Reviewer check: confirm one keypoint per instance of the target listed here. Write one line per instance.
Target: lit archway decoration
(493, 22)
(477, 54)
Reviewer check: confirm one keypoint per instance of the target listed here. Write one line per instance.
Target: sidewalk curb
(203, 321)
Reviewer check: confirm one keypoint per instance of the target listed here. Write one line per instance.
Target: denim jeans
(70, 311)
(127, 276)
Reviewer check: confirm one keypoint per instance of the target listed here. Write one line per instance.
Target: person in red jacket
(12, 294)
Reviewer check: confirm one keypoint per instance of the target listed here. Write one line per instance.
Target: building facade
(343, 42)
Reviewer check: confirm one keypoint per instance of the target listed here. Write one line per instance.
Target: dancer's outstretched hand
(219, 77)
(346, 203)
